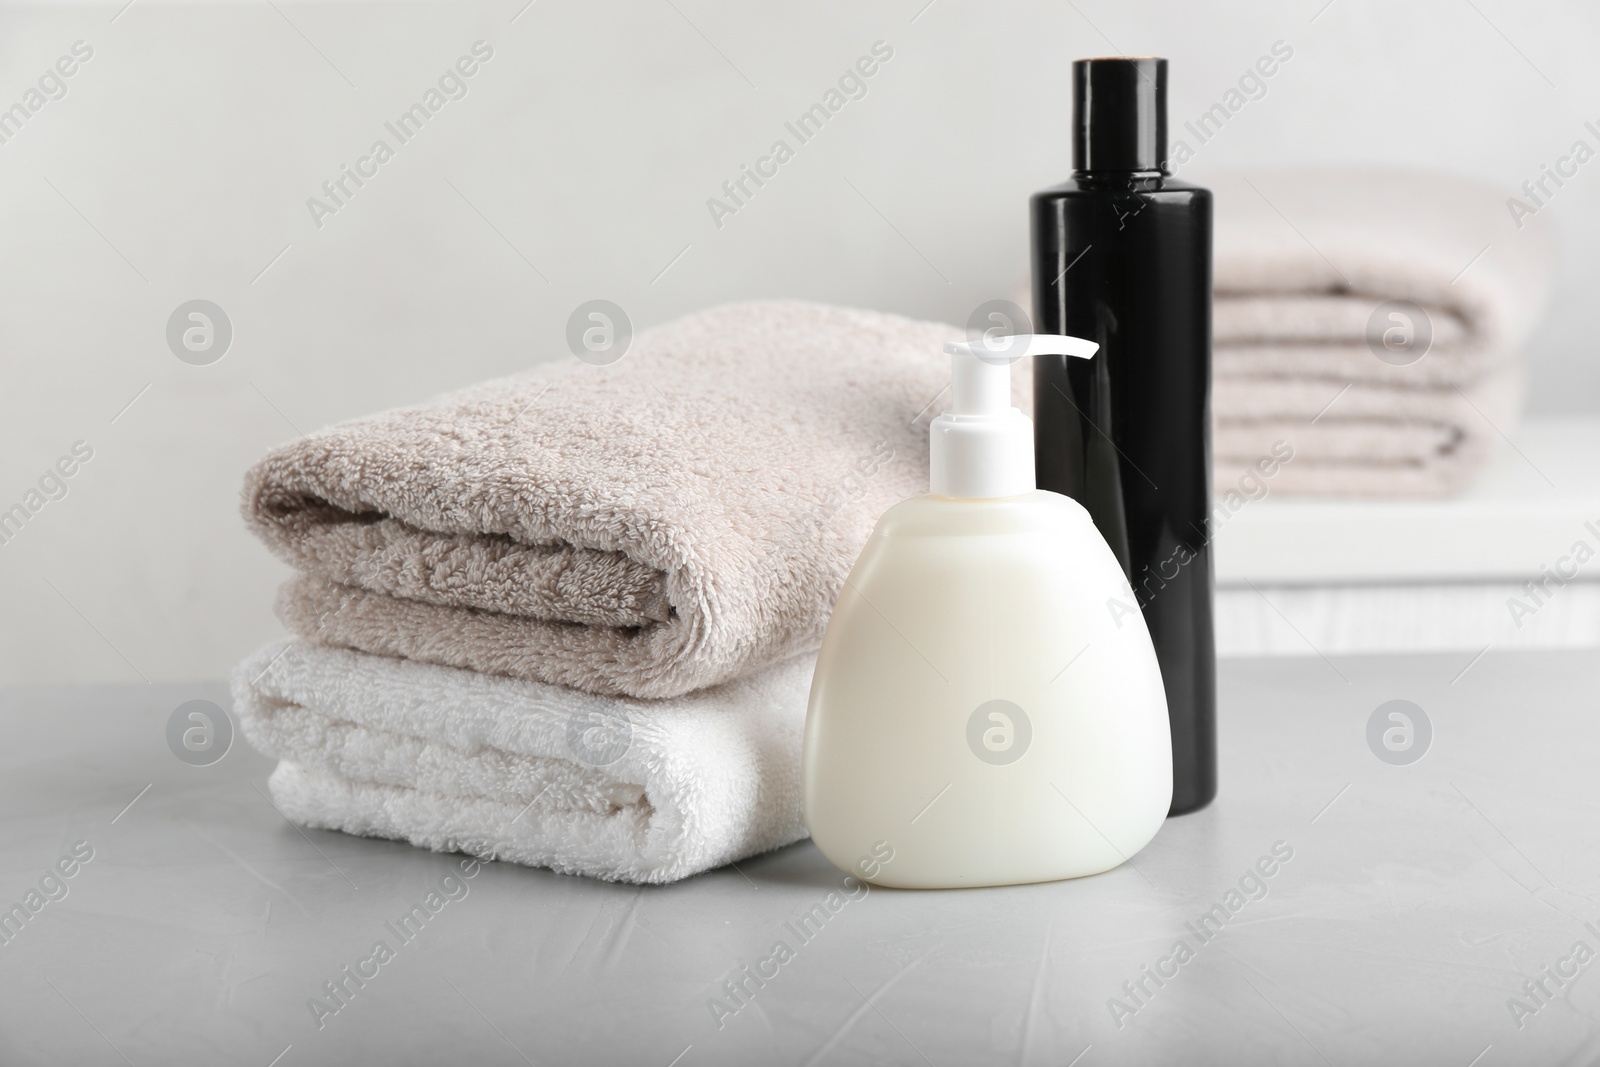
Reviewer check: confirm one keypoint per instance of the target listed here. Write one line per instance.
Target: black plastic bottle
(1122, 256)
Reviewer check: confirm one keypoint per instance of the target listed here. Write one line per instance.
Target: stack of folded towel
(1304, 261)
(569, 618)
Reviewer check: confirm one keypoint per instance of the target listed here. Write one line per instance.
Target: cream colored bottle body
(987, 702)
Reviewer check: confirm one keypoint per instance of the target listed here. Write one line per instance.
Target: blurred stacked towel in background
(1373, 320)
(569, 618)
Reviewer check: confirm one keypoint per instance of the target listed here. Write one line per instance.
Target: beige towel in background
(1303, 260)
(673, 520)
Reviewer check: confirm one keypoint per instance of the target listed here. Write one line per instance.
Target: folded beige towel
(1303, 260)
(647, 528)
(1372, 449)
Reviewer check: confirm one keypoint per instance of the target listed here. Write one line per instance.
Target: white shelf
(1527, 511)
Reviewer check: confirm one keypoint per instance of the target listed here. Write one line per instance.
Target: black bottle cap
(1119, 114)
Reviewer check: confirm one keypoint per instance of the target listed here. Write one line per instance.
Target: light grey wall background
(179, 161)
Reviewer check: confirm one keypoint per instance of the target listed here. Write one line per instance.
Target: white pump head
(984, 448)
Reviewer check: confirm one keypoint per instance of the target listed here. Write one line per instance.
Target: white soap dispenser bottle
(987, 708)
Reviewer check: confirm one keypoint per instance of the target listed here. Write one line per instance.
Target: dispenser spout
(983, 447)
(1008, 348)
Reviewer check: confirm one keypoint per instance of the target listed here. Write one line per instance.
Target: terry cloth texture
(1304, 261)
(648, 528)
(453, 760)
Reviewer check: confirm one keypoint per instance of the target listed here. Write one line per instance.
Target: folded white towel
(452, 760)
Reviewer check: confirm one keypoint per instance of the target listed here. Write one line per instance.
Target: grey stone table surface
(1331, 907)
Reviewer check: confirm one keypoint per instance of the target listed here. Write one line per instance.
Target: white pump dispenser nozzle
(984, 447)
